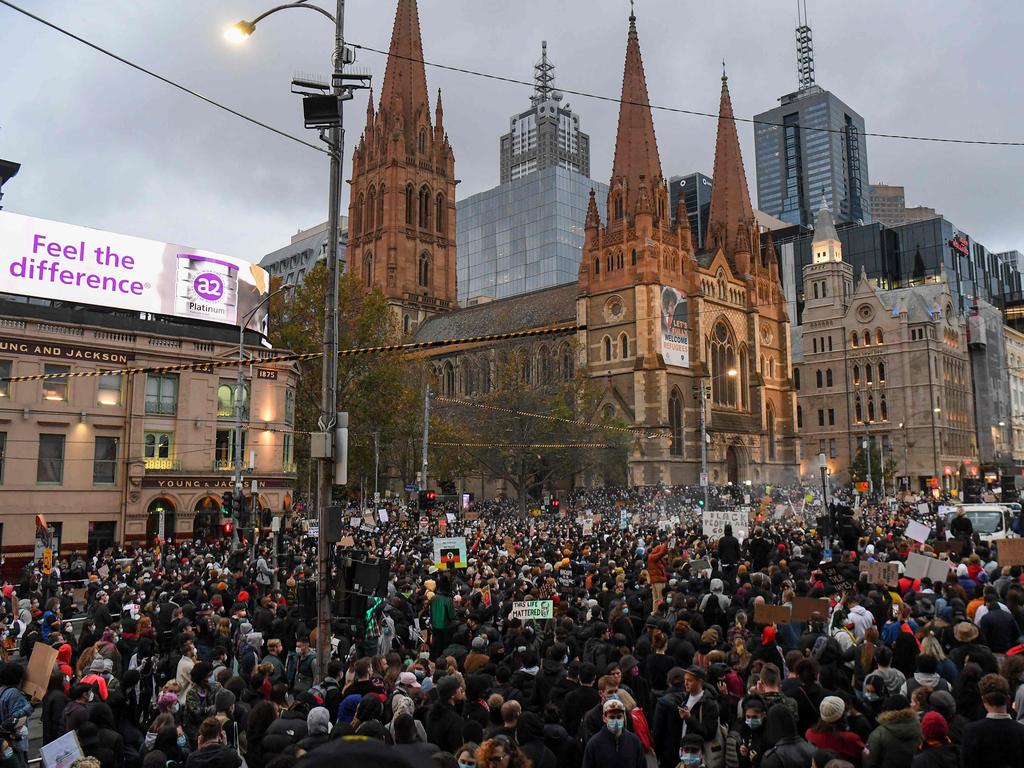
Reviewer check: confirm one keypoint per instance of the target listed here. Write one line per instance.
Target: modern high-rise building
(307, 248)
(547, 134)
(811, 145)
(695, 189)
(888, 204)
(527, 233)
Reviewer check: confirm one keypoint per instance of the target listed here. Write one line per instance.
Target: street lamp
(731, 373)
(823, 468)
(329, 121)
(239, 396)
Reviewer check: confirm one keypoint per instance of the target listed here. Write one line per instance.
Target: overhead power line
(161, 78)
(678, 110)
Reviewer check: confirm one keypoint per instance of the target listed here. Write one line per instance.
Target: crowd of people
(657, 653)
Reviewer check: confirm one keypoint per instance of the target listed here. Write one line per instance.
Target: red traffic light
(228, 528)
(555, 503)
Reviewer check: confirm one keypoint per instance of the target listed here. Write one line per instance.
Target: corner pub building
(104, 457)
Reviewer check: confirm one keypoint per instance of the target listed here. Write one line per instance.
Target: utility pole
(881, 463)
(376, 465)
(703, 440)
(329, 383)
(867, 453)
(426, 436)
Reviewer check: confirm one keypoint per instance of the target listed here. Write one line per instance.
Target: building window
(225, 453)
(814, 345)
(799, 417)
(439, 213)
(821, 446)
(607, 342)
(828, 377)
(821, 417)
(449, 379)
(796, 379)
(56, 390)
(409, 206)
(161, 394)
(830, 342)
(108, 389)
(597, 265)
(368, 269)
(831, 417)
(5, 373)
(675, 422)
(770, 415)
(881, 373)
(3, 453)
(157, 449)
(50, 467)
(424, 207)
(871, 409)
(618, 205)
(287, 452)
(424, 272)
(632, 257)
(856, 374)
(723, 360)
(567, 362)
(867, 338)
(884, 409)
(104, 461)
(878, 336)
(371, 206)
(869, 374)
(853, 338)
(815, 290)
(609, 263)
(858, 411)
(624, 345)
(289, 406)
(421, 143)
(380, 206)
(818, 379)
(226, 400)
(744, 376)
(833, 449)
(527, 367)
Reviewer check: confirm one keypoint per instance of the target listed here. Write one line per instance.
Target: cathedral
(684, 344)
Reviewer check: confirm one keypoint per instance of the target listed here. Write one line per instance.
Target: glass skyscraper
(523, 235)
(811, 146)
(695, 188)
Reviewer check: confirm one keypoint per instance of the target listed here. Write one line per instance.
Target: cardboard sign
(715, 520)
(566, 578)
(921, 566)
(804, 607)
(917, 531)
(887, 574)
(450, 552)
(355, 521)
(697, 566)
(383, 515)
(37, 674)
(952, 547)
(471, 516)
(1011, 551)
(771, 614)
(533, 609)
(347, 541)
(835, 577)
(588, 527)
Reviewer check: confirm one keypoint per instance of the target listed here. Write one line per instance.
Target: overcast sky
(105, 146)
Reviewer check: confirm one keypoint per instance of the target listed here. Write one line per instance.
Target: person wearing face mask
(745, 743)
(691, 752)
(76, 712)
(613, 746)
(465, 756)
(200, 699)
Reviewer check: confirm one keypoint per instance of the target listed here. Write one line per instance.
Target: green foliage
(859, 468)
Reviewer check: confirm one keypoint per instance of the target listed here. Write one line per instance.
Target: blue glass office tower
(523, 235)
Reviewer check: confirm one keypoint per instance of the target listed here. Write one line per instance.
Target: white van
(991, 521)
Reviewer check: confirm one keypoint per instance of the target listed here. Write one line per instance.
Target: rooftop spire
(636, 148)
(730, 198)
(405, 79)
(543, 76)
(804, 49)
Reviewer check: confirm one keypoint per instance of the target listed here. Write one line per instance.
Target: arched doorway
(157, 507)
(732, 465)
(206, 524)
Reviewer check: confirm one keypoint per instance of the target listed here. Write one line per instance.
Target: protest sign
(566, 578)
(588, 527)
(835, 576)
(886, 574)
(715, 520)
(383, 515)
(771, 614)
(1011, 551)
(471, 516)
(450, 552)
(623, 519)
(61, 752)
(917, 531)
(923, 509)
(355, 521)
(533, 609)
(40, 667)
(485, 594)
(697, 566)
(952, 547)
(347, 541)
(805, 607)
(921, 566)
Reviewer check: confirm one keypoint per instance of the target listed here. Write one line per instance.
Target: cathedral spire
(636, 148)
(439, 114)
(405, 80)
(730, 198)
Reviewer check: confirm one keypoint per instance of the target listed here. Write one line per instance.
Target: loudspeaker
(332, 524)
(371, 578)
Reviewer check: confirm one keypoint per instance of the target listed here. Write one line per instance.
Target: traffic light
(226, 504)
(228, 528)
(427, 500)
(552, 507)
(700, 502)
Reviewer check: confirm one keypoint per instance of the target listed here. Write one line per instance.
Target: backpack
(168, 667)
(714, 749)
(641, 729)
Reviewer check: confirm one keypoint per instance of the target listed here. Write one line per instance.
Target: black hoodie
(530, 735)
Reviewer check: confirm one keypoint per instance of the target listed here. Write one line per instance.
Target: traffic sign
(703, 479)
(412, 487)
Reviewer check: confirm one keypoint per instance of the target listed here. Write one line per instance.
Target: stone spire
(636, 148)
(405, 80)
(730, 198)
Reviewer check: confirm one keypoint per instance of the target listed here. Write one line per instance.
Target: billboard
(64, 262)
(675, 330)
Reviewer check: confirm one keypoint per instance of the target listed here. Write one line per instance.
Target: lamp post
(823, 468)
(333, 431)
(239, 397)
(731, 373)
(866, 445)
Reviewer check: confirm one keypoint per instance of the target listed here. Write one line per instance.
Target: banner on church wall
(675, 328)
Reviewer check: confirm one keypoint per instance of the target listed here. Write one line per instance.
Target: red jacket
(656, 564)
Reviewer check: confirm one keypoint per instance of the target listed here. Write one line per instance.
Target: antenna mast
(804, 49)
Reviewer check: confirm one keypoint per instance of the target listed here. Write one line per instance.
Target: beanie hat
(318, 721)
(831, 709)
(896, 702)
(479, 643)
(224, 701)
(934, 727)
